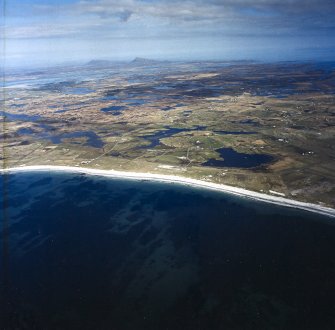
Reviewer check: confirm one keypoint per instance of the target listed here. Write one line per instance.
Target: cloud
(206, 9)
(171, 10)
(135, 18)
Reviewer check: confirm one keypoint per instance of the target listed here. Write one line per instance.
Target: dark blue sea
(83, 252)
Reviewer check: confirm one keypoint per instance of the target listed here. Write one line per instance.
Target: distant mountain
(138, 61)
(145, 61)
(99, 63)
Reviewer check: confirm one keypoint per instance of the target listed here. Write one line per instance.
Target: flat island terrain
(264, 127)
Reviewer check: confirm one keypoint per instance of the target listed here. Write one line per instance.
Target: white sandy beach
(181, 180)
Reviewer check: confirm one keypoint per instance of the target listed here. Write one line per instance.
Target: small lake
(78, 91)
(80, 252)
(154, 138)
(128, 101)
(115, 110)
(18, 105)
(70, 87)
(93, 140)
(20, 117)
(232, 158)
(249, 122)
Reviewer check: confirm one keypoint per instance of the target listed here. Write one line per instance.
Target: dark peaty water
(232, 158)
(84, 252)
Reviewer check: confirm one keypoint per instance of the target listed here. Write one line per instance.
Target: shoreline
(138, 176)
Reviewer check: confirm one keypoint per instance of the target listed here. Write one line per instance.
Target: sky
(41, 32)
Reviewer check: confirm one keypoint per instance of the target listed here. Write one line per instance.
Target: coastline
(138, 176)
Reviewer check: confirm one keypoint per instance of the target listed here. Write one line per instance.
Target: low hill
(145, 61)
(99, 63)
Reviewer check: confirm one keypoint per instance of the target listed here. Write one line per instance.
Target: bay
(90, 252)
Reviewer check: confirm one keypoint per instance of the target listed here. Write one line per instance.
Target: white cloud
(167, 18)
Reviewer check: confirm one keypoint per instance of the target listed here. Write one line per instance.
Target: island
(262, 127)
